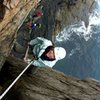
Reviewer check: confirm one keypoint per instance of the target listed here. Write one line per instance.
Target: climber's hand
(25, 60)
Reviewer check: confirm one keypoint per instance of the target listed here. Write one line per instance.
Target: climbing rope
(4, 93)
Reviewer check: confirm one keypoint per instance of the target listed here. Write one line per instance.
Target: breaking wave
(79, 29)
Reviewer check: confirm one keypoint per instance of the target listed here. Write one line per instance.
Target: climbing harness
(4, 93)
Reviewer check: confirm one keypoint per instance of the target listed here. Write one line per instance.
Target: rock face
(48, 84)
(12, 16)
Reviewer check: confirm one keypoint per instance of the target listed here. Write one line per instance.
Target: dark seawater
(83, 57)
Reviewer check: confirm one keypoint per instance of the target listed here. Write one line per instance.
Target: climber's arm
(40, 40)
(26, 54)
(35, 41)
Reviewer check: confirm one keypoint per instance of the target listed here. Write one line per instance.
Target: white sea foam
(79, 29)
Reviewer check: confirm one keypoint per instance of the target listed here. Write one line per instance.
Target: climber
(36, 25)
(37, 14)
(45, 54)
(31, 25)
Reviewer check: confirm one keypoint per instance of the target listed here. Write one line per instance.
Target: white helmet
(60, 53)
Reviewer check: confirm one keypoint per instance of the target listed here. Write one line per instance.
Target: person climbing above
(31, 25)
(37, 14)
(45, 53)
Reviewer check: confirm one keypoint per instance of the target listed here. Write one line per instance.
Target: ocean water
(82, 46)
